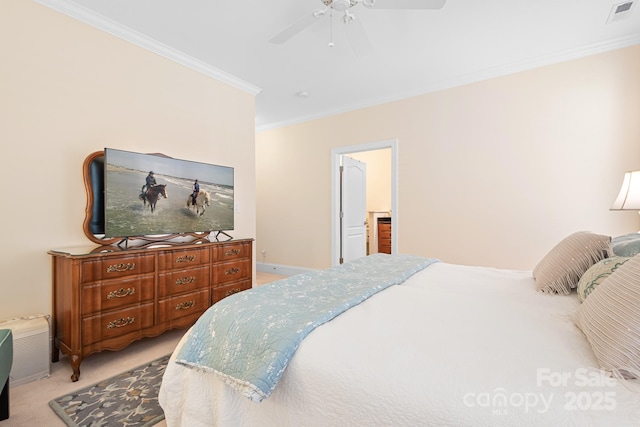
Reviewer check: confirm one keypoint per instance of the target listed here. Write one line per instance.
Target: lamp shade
(629, 195)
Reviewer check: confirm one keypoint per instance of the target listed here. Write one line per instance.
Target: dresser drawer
(185, 305)
(231, 271)
(183, 259)
(180, 281)
(384, 249)
(117, 323)
(231, 251)
(227, 290)
(116, 267)
(384, 240)
(102, 296)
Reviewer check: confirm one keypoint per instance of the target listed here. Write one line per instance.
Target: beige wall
(67, 90)
(492, 173)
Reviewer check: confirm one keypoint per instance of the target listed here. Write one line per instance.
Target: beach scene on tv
(148, 194)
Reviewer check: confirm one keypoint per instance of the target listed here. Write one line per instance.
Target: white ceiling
(414, 52)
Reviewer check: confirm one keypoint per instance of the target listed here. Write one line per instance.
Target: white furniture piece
(30, 348)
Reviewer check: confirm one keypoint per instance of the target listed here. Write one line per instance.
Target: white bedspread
(452, 346)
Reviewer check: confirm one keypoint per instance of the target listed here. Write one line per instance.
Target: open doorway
(336, 229)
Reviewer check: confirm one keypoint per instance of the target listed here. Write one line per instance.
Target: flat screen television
(130, 210)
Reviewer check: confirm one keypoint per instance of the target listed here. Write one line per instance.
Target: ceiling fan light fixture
(356, 30)
(348, 17)
(340, 5)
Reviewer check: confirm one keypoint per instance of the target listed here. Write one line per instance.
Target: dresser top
(85, 250)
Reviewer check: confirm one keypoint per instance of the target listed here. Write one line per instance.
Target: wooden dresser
(106, 298)
(384, 235)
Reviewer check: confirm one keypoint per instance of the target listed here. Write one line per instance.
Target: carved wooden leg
(75, 360)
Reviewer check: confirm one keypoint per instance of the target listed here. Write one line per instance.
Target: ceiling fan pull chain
(331, 44)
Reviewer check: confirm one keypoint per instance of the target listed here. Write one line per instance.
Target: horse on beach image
(202, 200)
(152, 195)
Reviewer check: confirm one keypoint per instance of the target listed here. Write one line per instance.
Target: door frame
(335, 191)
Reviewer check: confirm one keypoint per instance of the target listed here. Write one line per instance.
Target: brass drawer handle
(186, 258)
(121, 293)
(186, 280)
(185, 305)
(121, 322)
(232, 252)
(232, 291)
(232, 270)
(118, 268)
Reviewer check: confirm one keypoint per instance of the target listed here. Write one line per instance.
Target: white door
(353, 209)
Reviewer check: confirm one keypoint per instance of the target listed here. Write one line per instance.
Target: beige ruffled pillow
(560, 270)
(610, 318)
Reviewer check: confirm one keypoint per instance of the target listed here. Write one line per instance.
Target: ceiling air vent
(620, 11)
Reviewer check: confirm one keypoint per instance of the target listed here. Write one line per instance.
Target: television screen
(166, 206)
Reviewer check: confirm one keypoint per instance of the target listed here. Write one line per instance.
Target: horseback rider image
(196, 190)
(151, 181)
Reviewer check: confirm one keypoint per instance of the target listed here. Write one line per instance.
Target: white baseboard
(283, 270)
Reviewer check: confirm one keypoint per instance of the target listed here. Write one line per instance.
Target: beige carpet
(29, 402)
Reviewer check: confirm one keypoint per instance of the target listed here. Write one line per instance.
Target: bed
(448, 345)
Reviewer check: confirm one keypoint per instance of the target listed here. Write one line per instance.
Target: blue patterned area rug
(128, 399)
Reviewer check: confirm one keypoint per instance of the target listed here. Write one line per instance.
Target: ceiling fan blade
(358, 38)
(304, 22)
(407, 4)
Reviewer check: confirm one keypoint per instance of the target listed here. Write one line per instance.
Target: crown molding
(473, 77)
(103, 23)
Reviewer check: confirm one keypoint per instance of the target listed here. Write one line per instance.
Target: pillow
(627, 245)
(560, 270)
(597, 273)
(610, 318)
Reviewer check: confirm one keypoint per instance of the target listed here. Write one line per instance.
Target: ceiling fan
(355, 30)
